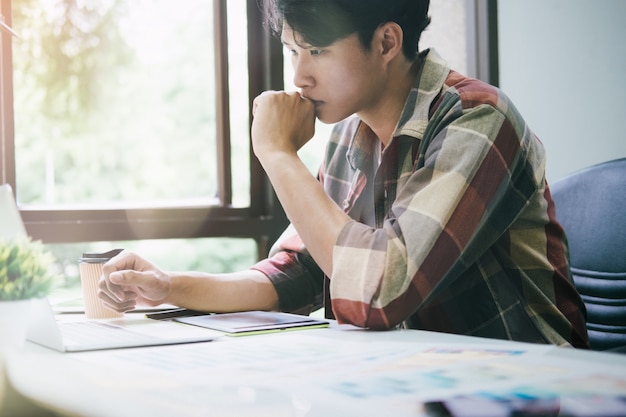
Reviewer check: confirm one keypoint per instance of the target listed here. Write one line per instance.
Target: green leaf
(25, 269)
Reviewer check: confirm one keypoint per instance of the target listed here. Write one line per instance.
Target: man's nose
(302, 77)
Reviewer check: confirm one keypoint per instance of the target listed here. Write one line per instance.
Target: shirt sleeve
(296, 277)
(474, 180)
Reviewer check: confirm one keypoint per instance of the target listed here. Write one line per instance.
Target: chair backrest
(591, 206)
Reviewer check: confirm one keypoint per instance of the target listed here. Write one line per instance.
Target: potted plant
(25, 274)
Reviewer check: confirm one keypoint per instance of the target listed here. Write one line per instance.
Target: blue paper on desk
(254, 322)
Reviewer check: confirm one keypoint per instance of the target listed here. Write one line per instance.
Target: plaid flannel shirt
(454, 227)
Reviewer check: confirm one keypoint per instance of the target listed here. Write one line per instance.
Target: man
(431, 210)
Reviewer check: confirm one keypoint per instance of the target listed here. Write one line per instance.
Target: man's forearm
(317, 219)
(238, 291)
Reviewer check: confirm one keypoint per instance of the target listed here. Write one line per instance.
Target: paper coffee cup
(90, 267)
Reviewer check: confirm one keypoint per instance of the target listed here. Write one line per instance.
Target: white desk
(340, 371)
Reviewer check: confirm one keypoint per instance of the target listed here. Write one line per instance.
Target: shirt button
(346, 204)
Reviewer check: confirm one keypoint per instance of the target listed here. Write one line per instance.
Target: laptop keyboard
(96, 332)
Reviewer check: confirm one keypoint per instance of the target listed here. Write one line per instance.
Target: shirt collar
(414, 116)
(427, 86)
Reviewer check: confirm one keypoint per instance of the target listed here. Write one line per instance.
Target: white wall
(563, 63)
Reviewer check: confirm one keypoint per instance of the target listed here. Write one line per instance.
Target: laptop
(11, 224)
(75, 334)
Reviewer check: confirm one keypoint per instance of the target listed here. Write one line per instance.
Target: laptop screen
(11, 224)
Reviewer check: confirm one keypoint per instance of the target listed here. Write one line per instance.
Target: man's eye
(315, 51)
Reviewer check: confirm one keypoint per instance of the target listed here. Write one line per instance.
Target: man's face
(341, 79)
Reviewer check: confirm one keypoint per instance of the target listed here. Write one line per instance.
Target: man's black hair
(319, 23)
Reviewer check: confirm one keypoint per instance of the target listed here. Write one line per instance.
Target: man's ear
(390, 36)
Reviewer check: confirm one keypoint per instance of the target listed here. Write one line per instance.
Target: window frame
(262, 221)
(482, 41)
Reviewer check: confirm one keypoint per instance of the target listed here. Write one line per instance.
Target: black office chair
(591, 206)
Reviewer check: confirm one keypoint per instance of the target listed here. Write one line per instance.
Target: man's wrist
(277, 159)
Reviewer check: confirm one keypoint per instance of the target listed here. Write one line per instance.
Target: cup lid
(95, 258)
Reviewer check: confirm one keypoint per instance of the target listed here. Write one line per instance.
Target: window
(465, 34)
(126, 124)
(109, 109)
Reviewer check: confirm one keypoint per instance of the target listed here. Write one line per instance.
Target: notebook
(254, 322)
(126, 332)
(11, 224)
